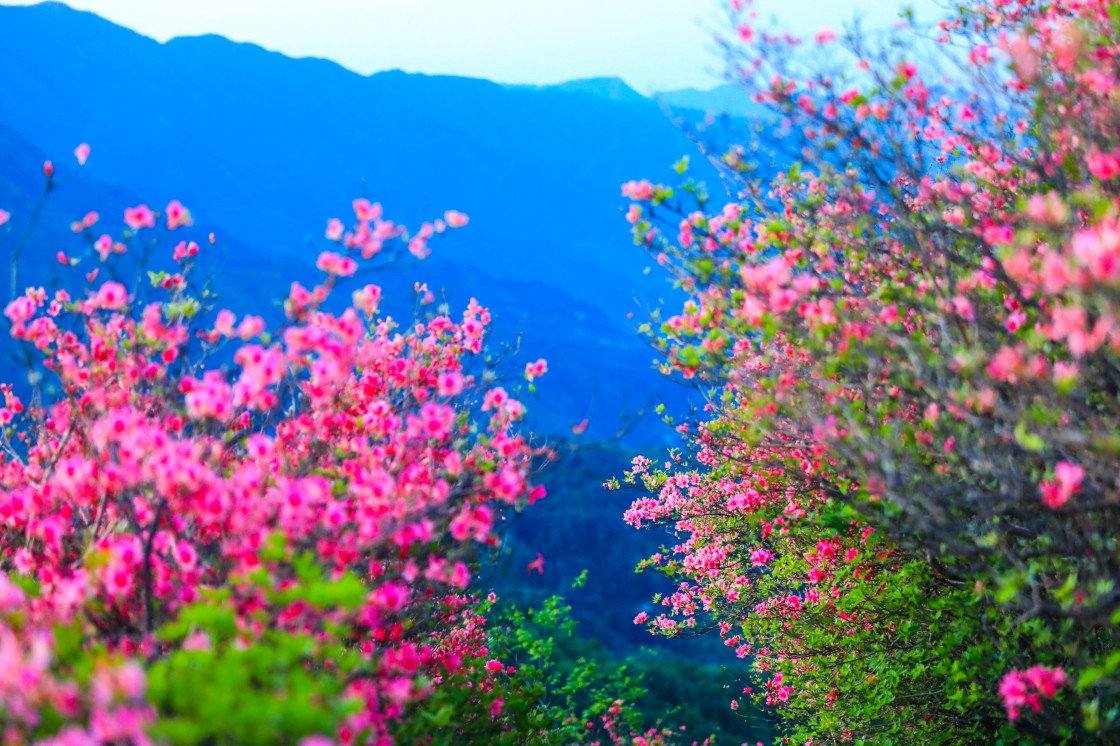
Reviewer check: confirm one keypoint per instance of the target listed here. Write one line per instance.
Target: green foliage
(225, 685)
(547, 694)
(904, 502)
(272, 691)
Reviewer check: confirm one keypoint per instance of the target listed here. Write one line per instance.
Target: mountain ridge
(611, 87)
(267, 147)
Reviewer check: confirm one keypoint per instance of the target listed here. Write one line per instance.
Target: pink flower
(425, 293)
(496, 707)
(434, 421)
(449, 383)
(82, 153)
(760, 557)
(336, 264)
(391, 596)
(963, 307)
(5, 216)
(979, 55)
(131, 681)
(536, 370)
(111, 296)
(87, 221)
(1104, 166)
(223, 325)
(494, 398)
(1048, 209)
(825, 35)
(139, 217)
(907, 70)
(197, 641)
(367, 298)
(1006, 364)
(1046, 680)
(418, 247)
(334, 229)
(103, 246)
(1097, 80)
(455, 219)
(1015, 321)
(1066, 483)
(1065, 373)
(365, 211)
(1023, 57)
(177, 215)
(21, 309)
(639, 190)
(184, 250)
(11, 595)
(1020, 689)
(495, 666)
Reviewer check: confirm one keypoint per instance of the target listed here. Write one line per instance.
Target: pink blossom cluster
(145, 483)
(371, 232)
(877, 342)
(1020, 689)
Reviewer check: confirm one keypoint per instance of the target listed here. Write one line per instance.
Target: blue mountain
(265, 148)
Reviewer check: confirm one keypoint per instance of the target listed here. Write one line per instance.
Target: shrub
(211, 532)
(902, 503)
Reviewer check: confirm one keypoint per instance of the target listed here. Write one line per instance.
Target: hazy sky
(652, 44)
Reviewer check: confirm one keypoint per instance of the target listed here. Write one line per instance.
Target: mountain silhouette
(266, 148)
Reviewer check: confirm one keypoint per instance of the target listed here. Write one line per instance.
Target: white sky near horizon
(651, 44)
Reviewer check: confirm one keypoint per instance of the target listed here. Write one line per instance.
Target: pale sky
(651, 44)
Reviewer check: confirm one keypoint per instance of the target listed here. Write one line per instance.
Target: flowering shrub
(901, 503)
(533, 697)
(213, 532)
(309, 508)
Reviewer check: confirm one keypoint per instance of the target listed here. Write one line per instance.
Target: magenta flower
(455, 219)
(825, 35)
(1020, 689)
(336, 264)
(1104, 166)
(536, 369)
(760, 557)
(139, 217)
(639, 190)
(1066, 483)
(177, 215)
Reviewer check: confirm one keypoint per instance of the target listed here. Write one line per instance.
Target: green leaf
(1027, 440)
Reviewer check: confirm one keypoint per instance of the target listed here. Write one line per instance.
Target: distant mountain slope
(611, 89)
(263, 149)
(723, 99)
(266, 148)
